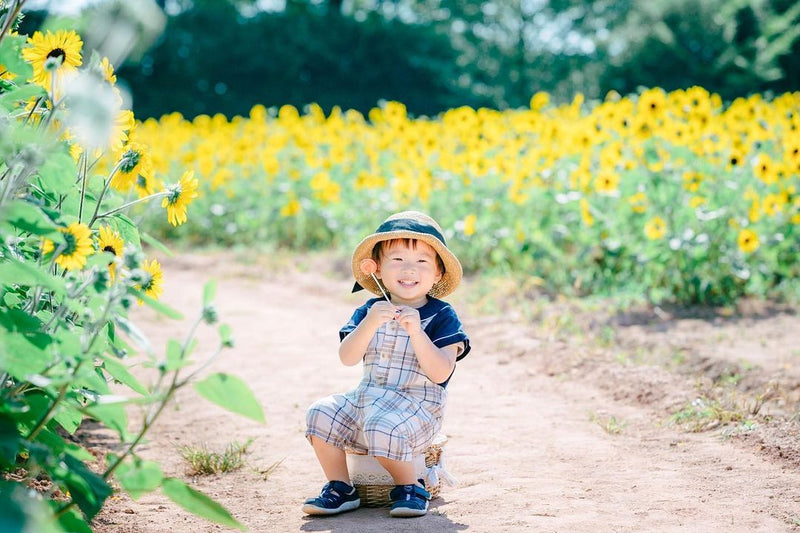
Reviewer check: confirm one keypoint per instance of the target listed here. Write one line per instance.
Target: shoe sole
(322, 511)
(407, 512)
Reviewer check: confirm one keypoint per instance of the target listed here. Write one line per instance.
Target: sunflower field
(72, 266)
(664, 196)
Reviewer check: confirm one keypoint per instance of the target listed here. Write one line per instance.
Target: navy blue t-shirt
(437, 318)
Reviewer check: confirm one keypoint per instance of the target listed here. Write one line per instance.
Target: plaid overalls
(395, 411)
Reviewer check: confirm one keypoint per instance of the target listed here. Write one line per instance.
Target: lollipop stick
(380, 287)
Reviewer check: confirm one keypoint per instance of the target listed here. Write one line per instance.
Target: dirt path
(524, 442)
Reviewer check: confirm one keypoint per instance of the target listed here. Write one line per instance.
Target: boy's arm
(437, 363)
(354, 345)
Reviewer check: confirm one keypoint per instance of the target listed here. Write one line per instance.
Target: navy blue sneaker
(409, 500)
(336, 497)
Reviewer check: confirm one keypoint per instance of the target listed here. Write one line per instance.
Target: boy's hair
(377, 250)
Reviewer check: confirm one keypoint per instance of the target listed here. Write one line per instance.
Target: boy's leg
(337, 495)
(402, 472)
(408, 497)
(332, 460)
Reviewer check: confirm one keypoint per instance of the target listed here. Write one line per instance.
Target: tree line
(224, 56)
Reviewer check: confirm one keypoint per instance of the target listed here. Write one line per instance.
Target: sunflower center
(57, 53)
(147, 283)
(129, 161)
(141, 181)
(174, 194)
(111, 249)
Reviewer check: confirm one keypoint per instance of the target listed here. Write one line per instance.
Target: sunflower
(109, 240)
(748, 241)
(145, 184)
(179, 196)
(134, 160)
(74, 249)
(57, 52)
(638, 202)
(153, 279)
(107, 70)
(607, 182)
(655, 228)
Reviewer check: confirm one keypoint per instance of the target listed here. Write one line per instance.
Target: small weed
(266, 472)
(201, 461)
(610, 424)
(771, 392)
(704, 414)
(745, 427)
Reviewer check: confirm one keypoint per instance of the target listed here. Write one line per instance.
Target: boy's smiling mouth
(406, 283)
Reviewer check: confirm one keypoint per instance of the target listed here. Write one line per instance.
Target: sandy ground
(551, 427)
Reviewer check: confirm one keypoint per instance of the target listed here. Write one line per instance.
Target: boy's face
(408, 271)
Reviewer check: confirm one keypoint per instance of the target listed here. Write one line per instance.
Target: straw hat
(409, 225)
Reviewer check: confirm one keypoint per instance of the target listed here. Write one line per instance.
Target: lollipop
(369, 266)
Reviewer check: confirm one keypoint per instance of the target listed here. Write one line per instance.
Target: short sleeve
(355, 320)
(445, 329)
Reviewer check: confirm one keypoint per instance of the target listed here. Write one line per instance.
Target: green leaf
(22, 94)
(126, 228)
(11, 57)
(139, 477)
(19, 273)
(134, 333)
(29, 218)
(158, 306)
(209, 291)
(198, 503)
(20, 357)
(58, 173)
(118, 371)
(174, 356)
(58, 445)
(231, 393)
(16, 320)
(225, 335)
(112, 415)
(88, 490)
(23, 511)
(9, 441)
(155, 243)
(73, 522)
(68, 417)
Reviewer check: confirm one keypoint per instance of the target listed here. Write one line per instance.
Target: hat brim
(451, 276)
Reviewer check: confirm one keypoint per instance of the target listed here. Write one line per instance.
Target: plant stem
(210, 360)
(11, 15)
(62, 392)
(82, 163)
(106, 185)
(134, 202)
(150, 418)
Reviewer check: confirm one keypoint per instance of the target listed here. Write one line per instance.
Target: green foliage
(213, 60)
(226, 56)
(66, 340)
(731, 48)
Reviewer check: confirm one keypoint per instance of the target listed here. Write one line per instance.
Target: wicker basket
(373, 483)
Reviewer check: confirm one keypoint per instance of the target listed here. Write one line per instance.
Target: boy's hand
(381, 312)
(408, 317)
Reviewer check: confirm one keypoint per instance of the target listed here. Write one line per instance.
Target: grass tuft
(203, 462)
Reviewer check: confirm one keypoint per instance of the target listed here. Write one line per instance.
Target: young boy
(409, 346)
